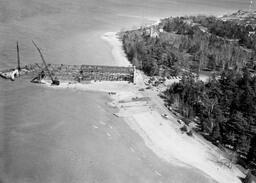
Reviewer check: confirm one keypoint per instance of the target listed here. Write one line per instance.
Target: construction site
(61, 72)
(80, 72)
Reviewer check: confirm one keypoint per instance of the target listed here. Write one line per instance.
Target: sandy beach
(117, 50)
(142, 111)
(75, 134)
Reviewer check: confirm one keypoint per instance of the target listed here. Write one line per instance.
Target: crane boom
(42, 57)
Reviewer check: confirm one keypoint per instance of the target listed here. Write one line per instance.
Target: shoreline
(117, 51)
(142, 111)
(160, 135)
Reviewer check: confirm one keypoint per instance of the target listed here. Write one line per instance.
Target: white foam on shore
(117, 49)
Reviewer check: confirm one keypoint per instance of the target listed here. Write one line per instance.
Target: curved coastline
(160, 135)
(168, 143)
(117, 51)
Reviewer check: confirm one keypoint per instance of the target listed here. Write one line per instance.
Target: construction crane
(54, 81)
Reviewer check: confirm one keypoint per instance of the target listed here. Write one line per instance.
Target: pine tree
(251, 157)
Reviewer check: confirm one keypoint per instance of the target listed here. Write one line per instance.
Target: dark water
(49, 135)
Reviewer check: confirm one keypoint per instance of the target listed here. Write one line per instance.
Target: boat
(10, 74)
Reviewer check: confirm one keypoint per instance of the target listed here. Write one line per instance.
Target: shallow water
(61, 136)
(65, 136)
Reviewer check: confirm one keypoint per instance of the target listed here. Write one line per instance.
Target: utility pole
(18, 56)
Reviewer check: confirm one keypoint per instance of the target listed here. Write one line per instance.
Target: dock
(78, 73)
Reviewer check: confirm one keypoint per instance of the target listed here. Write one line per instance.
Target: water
(69, 31)
(61, 136)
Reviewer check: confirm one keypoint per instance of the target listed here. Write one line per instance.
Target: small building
(154, 32)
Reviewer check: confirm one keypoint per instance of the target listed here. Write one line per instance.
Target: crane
(54, 81)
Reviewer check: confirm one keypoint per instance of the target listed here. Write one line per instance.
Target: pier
(79, 73)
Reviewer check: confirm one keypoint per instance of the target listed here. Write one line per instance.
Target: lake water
(59, 136)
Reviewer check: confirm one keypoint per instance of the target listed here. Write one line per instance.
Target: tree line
(185, 44)
(229, 29)
(225, 107)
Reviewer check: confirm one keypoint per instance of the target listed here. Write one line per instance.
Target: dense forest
(225, 108)
(229, 29)
(149, 54)
(191, 43)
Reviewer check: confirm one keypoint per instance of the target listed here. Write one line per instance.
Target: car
(165, 116)
(180, 121)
